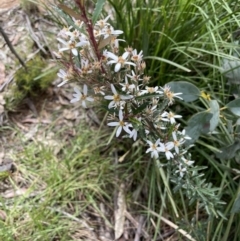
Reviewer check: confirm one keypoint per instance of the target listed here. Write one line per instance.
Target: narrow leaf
(236, 205)
(169, 62)
(97, 10)
(70, 12)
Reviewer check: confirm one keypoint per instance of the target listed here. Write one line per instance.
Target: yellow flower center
(116, 98)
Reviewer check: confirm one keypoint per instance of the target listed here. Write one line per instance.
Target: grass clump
(58, 194)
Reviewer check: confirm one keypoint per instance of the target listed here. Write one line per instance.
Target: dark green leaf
(140, 108)
(198, 124)
(229, 152)
(234, 107)
(236, 205)
(231, 69)
(214, 109)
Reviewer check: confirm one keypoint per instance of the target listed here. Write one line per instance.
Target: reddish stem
(90, 29)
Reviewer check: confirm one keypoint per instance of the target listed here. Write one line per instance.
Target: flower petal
(117, 67)
(118, 131)
(113, 89)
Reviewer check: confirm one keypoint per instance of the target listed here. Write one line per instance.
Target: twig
(139, 229)
(136, 224)
(90, 30)
(11, 47)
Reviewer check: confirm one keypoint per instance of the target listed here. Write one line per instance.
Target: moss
(30, 83)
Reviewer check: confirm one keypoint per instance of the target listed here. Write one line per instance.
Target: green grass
(58, 191)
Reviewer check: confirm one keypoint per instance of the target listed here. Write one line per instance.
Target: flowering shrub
(90, 53)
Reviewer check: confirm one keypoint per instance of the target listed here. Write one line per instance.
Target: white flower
(65, 76)
(71, 45)
(134, 77)
(183, 134)
(177, 142)
(127, 87)
(120, 61)
(81, 96)
(166, 147)
(133, 134)
(187, 162)
(170, 95)
(181, 170)
(154, 148)
(170, 117)
(78, 22)
(63, 32)
(114, 43)
(85, 67)
(136, 57)
(73, 35)
(109, 30)
(151, 90)
(121, 124)
(102, 22)
(116, 98)
(99, 90)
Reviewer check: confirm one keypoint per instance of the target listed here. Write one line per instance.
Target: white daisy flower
(78, 96)
(120, 125)
(170, 117)
(154, 148)
(116, 98)
(71, 45)
(120, 61)
(166, 147)
(187, 162)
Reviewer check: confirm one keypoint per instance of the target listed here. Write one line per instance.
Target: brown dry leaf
(102, 43)
(2, 73)
(120, 213)
(70, 115)
(70, 12)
